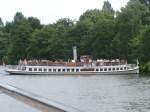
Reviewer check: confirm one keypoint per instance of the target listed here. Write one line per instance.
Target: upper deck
(69, 63)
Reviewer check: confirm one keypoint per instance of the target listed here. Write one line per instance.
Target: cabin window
(77, 70)
(63, 70)
(40, 69)
(117, 68)
(125, 68)
(97, 69)
(113, 69)
(68, 70)
(50, 70)
(105, 69)
(30, 69)
(101, 69)
(45, 69)
(72, 70)
(54, 70)
(121, 68)
(59, 70)
(35, 69)
(109, 69)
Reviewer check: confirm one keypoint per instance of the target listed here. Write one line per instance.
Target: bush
(145, 69)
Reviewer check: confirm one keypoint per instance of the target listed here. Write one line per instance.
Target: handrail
(19, 67)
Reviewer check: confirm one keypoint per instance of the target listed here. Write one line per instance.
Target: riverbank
(31, 100)
(11, 104)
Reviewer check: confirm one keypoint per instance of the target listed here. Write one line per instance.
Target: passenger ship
(86, 66)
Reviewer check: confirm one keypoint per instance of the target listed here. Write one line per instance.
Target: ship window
(109, 69)
(105, 69)
(45, 69)
(54, 70)
(77, 70)
(59, 70)
(40, 69)
(101, 69)
(68, 70)
(63, 70)
(97, 69)
(72, 70)
(35, 69)
(50, 70)
(117, 68)
(30, 69)
(121, 68)
(113, 68)
(125, 68)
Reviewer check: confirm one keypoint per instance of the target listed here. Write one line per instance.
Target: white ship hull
(133, 70)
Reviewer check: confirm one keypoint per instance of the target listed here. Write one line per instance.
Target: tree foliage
(104, 33)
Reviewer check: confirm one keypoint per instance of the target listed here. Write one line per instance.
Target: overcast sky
(48, 11)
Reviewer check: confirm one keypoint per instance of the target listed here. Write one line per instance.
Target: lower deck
(75, 70)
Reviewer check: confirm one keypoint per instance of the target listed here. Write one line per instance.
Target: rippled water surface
(89, 93)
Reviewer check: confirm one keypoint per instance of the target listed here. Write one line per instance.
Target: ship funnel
(75, 53)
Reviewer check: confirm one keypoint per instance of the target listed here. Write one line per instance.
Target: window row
(112, 69)
(53, 70)
(75, 69)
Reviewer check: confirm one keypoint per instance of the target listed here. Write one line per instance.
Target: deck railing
(20, 67)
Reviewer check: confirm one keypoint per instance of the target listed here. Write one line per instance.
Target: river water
(88, 93)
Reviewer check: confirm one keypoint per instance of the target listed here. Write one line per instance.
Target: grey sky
(48, 11)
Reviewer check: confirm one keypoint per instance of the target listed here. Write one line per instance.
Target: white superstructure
(113, 69)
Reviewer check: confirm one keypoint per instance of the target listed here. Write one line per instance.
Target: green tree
(34, 22)
(107, 7)
(103, 34)
(141, 45)
(128, 25)
(19, 31)
(3, 42)
(51, 42)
